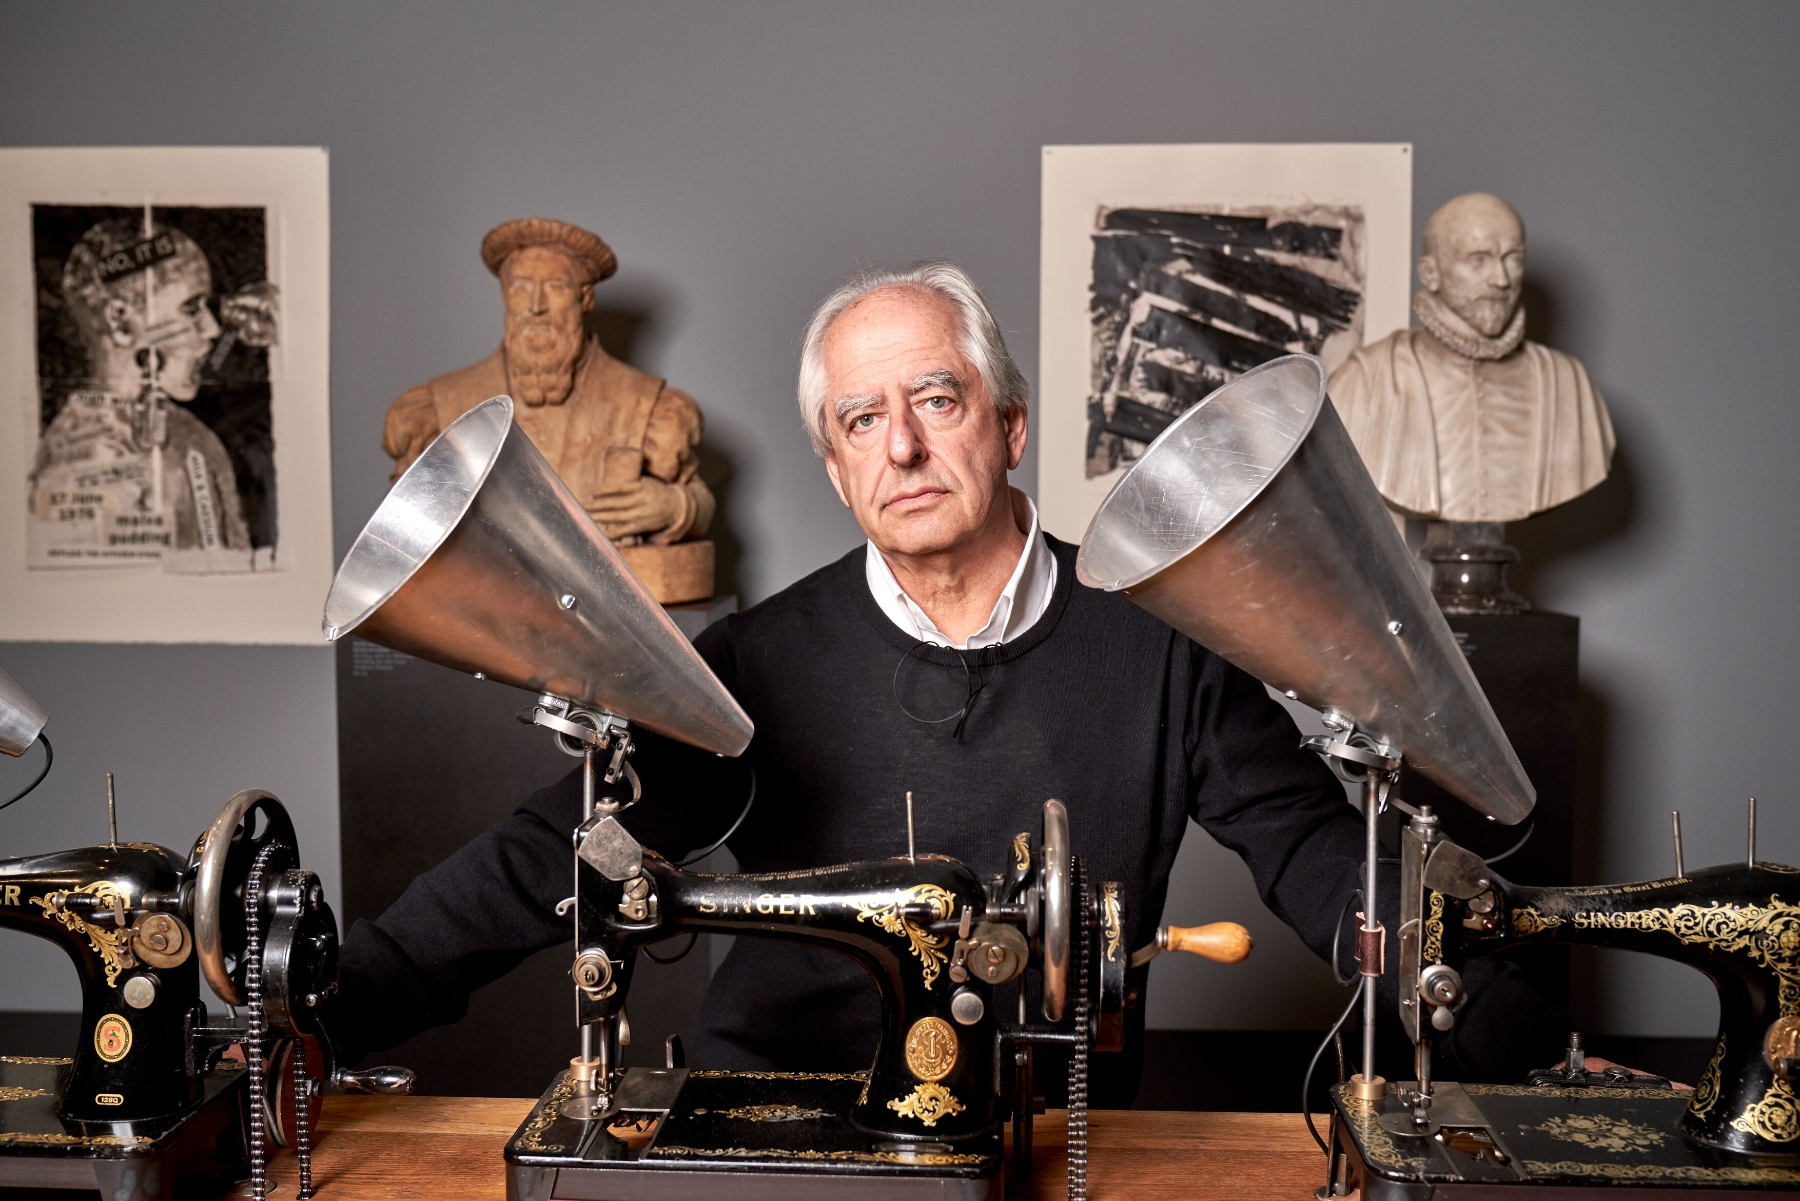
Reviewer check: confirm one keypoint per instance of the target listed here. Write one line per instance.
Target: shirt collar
(1022, 602)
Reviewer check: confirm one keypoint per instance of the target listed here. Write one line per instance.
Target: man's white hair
(980, 340)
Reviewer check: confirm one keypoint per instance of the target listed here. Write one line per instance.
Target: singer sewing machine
(148, 1097)
(1740, 1128)
(925, 1120)
(1252, 525)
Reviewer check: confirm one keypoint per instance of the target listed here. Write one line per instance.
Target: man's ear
(1017, 433)
(587, 298)
(831, 469)
(1428, 273)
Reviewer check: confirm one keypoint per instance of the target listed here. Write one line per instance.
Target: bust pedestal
(1526, 663)
(676, 575)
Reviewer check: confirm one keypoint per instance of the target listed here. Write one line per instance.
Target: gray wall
(743, 158)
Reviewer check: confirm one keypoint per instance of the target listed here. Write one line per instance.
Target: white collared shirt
(1025, 598)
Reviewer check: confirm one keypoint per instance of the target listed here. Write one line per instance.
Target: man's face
(1477, 267)
(545, 299)
(916, 449)
(180, 330)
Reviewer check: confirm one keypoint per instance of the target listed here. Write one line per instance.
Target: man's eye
(864, 422)
(938, 404)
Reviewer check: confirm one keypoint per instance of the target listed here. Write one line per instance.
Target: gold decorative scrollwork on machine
(1602, 1133)
(1776, 1117)
(1111, 918)
(1526, 920)
(772, 1113)
(1433, 946)
(928, 1102)
(928, 947)
(1706, 1094)
(113, 946)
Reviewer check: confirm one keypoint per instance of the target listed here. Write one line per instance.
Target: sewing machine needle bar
(1750, 858)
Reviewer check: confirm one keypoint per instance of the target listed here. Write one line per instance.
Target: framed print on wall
(1167, 271)
(165, 474)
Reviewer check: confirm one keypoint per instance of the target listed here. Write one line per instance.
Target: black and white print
(1184, 300)
(154, 326)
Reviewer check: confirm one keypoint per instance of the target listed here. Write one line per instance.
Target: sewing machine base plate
(136, 1161)
(1539, 1144)
(735, 1136)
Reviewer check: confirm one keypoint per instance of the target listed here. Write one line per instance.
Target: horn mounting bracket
(1357, 758)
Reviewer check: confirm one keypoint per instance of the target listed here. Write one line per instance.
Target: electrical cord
(653, 957)
(1306, 1084)
(49, 758)
(697, 856)
(1530, 829)
(1343, 979)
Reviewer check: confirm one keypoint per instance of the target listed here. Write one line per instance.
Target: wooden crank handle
(1221, 942)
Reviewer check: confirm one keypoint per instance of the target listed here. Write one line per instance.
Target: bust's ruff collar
(1433, 315)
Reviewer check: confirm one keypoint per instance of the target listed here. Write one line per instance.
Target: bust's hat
(591, 254)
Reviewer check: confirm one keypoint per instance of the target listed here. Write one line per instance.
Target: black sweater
(1133, 726)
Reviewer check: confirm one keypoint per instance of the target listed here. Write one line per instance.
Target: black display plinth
(1527, 665)
(427, 759)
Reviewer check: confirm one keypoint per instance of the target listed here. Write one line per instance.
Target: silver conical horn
(21, 718)
(481, 559)
(1252, 526)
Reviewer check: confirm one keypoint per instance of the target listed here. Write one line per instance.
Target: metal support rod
(112, 815)
(1675, 821)
(1371, 855)
(587, 1030)
(910, 856)
(1750, 857)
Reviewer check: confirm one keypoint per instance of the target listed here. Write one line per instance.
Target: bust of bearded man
(621, 439)
(1464, 420)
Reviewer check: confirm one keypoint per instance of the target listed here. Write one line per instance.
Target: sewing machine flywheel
(222, 858)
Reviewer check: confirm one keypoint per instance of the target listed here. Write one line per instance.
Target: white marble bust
(1464, 420)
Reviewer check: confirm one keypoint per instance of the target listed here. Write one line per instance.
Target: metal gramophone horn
(21, 718)
(481, 559)
(1252, 526)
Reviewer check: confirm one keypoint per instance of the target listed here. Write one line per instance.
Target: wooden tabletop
(426, 1147)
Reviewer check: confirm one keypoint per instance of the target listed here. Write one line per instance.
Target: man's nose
(906, 445)
(540, 299)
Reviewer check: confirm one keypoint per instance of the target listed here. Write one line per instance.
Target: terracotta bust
(1464, 420)
(622, 439)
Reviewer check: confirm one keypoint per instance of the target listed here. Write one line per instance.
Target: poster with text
(1167, 271)
(170, 370)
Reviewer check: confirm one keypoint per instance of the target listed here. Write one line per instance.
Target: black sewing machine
(1573, 1129)
(1252, 525)
(148, 1097)
(926, 1119)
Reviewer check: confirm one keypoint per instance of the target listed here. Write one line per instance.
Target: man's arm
(478, 914)
(1286, 815)
(465, 923)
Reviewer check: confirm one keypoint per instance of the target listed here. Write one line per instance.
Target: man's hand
(1596, 1064)
(645, 506)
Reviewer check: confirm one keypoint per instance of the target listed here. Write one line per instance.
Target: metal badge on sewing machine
(480, 559)
(148, 1098)
(1251, 525)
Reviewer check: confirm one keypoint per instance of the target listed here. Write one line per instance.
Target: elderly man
(952, 656)
(1464, 420)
